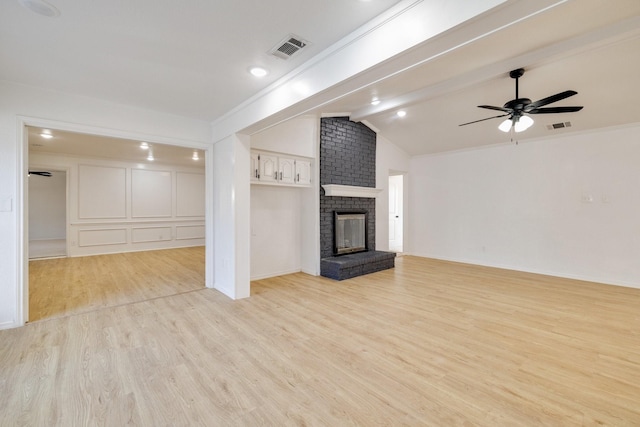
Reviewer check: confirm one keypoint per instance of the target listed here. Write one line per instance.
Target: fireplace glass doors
(349, 232)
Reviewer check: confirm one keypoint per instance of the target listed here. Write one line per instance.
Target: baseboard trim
(9, 325)
(269, 275)
(583, 278)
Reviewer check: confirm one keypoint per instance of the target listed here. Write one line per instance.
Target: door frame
(402, 196)
(22, 211)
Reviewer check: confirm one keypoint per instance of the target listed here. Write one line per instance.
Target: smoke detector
(288, 47)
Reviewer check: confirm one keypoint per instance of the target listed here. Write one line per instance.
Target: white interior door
(395, 213)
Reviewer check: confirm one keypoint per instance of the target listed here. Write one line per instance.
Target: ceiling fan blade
(482, 120)
(553, 110)
(41, 173)
(491, 107)
(550, 99)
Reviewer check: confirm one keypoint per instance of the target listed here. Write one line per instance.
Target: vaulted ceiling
(191, 58)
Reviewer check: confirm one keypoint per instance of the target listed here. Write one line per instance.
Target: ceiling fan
(518, 108)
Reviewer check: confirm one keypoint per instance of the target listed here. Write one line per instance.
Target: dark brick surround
(348, 157)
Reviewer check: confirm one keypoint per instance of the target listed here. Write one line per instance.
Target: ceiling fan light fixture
(40, 7)
(505, 126)
(523, 124)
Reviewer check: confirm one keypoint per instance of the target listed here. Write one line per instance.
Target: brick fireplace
(348, 158)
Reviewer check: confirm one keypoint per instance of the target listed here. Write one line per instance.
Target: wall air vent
(288, 47)
(559, 125)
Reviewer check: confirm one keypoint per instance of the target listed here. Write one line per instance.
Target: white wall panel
(185, 232)
(101, 192)
(150, 234)
(151, 193)
(115, 236)
(190, 194)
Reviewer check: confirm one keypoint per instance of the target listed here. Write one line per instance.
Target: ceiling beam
(623, 30)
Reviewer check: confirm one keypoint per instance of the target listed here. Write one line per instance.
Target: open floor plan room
(427, 343)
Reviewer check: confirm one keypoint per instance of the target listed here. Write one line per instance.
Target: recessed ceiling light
(401, 113)
(144, 145)
(258, 71)
(150, 156)
(40, 7)
(195, 156)
(46, 135)
(375, 101)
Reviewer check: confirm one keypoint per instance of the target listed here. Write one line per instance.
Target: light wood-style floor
(63, 286)
(428, 343)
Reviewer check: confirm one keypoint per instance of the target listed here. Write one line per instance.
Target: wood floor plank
(427, 343)
(63, 286)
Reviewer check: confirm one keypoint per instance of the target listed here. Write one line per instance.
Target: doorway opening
(47, 213)
(100, 212)
(396, 214)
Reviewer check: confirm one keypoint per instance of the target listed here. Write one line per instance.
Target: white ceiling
(102, 147)
(590, 46)
(190, 58)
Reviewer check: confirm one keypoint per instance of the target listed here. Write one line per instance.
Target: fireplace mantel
(350, 191)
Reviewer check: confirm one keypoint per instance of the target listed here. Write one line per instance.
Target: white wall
(390, 160)
(285, 220)
(276, 234)
(118, 206)
(297, 137)
(231, 199)
(566, 206)
(80, 114)
(48, 206)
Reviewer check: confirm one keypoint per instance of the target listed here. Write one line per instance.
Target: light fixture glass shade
(505, 126)
(524, 123)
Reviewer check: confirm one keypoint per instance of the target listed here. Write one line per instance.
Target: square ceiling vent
(288, 47)
(560, 125)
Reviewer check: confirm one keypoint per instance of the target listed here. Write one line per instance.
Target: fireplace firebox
(349, 232)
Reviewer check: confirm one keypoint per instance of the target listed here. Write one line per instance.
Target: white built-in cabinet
(274, 168)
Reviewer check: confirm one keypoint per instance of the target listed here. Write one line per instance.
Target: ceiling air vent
(559, 125)
(288, 47)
